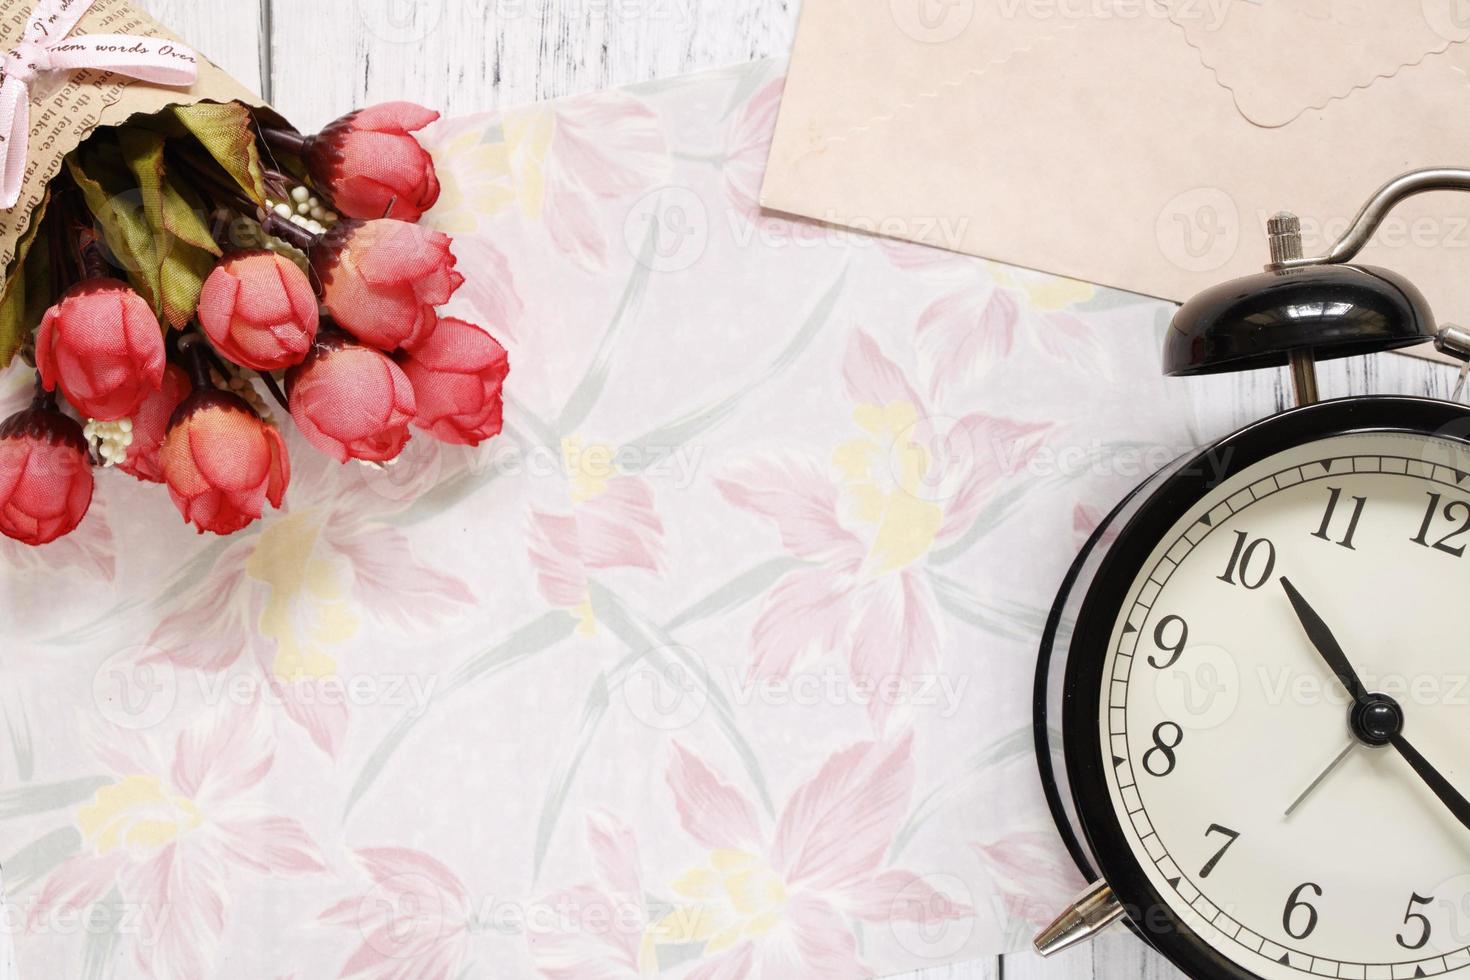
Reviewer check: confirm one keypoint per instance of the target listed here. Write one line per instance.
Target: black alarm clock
(1253, 697)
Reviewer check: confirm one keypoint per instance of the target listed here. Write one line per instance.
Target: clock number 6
(1296, 902)
(1244, 557)
(1410, 916)
(1167, 737)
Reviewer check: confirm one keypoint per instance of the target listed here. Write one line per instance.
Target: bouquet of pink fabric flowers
(185, 257)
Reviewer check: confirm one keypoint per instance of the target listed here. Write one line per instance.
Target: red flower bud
(350, 401)
(371, 167)
(382, 280)
(457, 375)
(45, 476)
(104, 346)
(150, 426)
(222, 463)
(259, 310)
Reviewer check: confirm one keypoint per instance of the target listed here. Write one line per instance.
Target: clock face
(1255, 805)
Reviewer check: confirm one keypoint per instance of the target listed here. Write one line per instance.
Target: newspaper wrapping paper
(67, 106)
(716, 664)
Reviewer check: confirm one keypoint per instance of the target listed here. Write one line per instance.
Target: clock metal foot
(1090, 913)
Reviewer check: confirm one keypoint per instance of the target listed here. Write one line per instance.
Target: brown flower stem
(43, 400)
(196, 360)
(290, 232)
(275, 390)
(285, 140)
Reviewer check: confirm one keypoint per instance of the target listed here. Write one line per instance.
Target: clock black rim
(1169, 503)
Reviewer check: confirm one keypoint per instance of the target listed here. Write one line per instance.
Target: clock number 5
(1251, 563)
(1296, 903)
(1421, 918)
(1455, 510)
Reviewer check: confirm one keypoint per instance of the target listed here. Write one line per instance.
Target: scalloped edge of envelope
(1137, 144)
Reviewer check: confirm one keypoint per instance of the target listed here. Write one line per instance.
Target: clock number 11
(1325, 531)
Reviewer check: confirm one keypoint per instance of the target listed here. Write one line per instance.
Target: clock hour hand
(1325, 642)
(1442, 788)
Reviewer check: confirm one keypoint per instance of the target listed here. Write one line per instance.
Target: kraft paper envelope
(1137, 144)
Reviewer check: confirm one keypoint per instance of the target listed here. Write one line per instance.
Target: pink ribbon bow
(45, 47)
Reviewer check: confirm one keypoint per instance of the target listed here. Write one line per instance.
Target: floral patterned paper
(717, 664)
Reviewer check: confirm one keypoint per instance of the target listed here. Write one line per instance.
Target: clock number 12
(1456, 511)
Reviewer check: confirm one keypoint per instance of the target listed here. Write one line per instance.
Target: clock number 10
(1251, 563)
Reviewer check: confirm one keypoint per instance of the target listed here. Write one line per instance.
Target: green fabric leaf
(227, 131)
(27, 289)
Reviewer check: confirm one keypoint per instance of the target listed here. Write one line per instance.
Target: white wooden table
(316, 60)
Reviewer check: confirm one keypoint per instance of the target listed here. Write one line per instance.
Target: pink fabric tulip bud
(382, 279)
(150, 426)
(222, 462)
(350, 401)
(457, 375)
(259, 310)
(371, 166)
(102, 345)
(45, 475)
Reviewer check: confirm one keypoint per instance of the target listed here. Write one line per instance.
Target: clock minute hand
(1441, 786)
(1325, 642)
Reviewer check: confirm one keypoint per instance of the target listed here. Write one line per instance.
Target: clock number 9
(1175, 647)
(1411, 916)
(1243, 558)
(1167, 737)
(1296, 902)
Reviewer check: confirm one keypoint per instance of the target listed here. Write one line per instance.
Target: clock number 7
(1421, 918)
(1325, 531)
(1231, 835)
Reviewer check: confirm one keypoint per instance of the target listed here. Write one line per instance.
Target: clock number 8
(1243, 559)
(1165, 742)
(1296, 902)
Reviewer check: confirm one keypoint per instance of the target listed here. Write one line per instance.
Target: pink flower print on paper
(171, 836)
(773, 903)
(963, 334)
(863, 524)
(556, 164)
(748, 147)
(597, 931)
(1033, 875)
(413, 921)
(612, 524)
(293, 592)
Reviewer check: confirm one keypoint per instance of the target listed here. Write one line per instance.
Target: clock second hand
(1331, 768)
(1331, 651)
